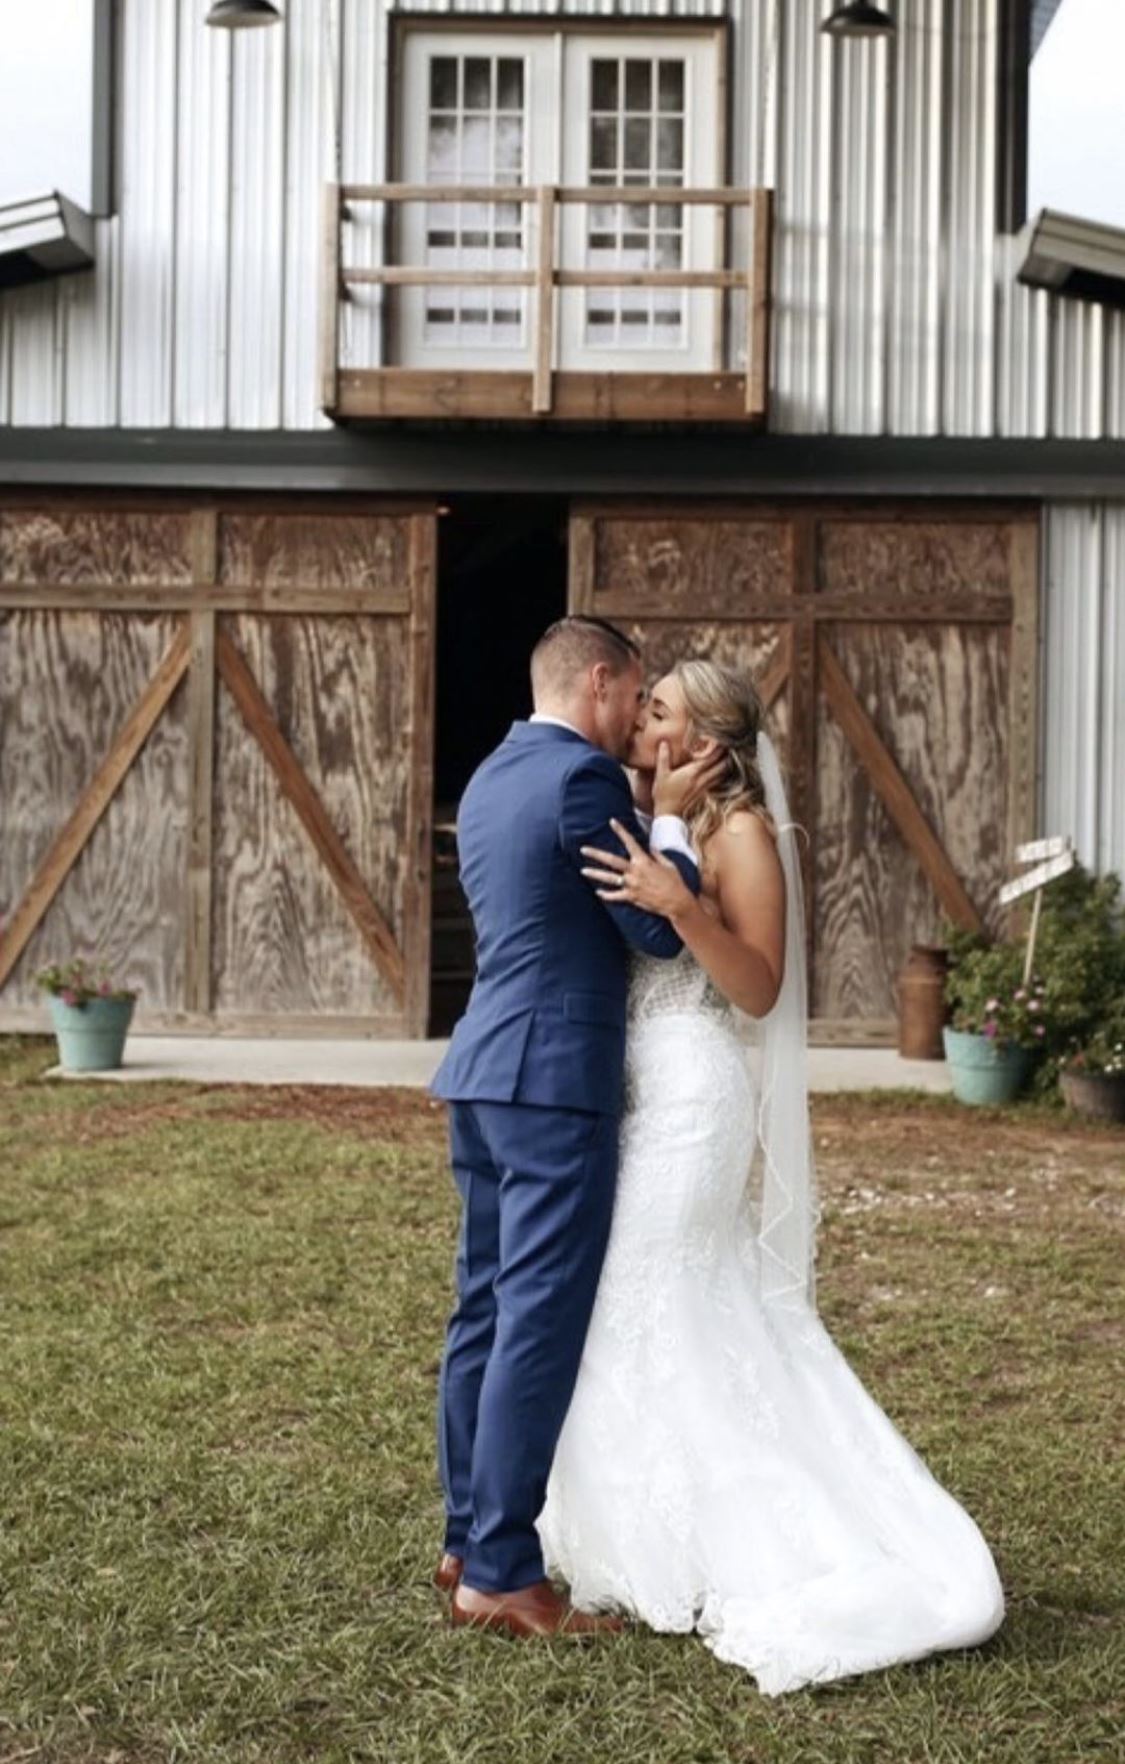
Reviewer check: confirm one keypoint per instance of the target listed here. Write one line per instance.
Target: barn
(401, 331)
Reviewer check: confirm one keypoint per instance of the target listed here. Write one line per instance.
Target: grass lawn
(221, 1312)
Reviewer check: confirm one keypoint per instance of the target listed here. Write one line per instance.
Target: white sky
(1076, 146)
(46, 98)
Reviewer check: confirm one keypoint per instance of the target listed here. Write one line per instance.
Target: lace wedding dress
(721, 1467)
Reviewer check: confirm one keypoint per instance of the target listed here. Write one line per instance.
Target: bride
(721, 1468)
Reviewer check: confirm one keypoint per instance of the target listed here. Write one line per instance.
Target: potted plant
(1092, 1076)
(997, 1025)
(1077, 977)
(90, 1015)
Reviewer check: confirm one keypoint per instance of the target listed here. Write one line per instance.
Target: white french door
(641, 111)
(476, 108)
(615, 108)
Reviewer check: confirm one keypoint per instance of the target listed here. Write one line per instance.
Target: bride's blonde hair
(723, 703)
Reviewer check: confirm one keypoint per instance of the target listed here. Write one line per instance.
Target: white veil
(783, 1184)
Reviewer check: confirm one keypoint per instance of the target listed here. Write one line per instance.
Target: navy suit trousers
(537, 1187)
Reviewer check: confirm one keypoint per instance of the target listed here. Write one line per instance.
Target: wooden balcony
(544, 390)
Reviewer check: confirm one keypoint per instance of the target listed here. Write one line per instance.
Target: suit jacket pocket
(594, 1007)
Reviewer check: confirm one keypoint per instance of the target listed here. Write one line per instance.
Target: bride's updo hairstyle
(723, 703)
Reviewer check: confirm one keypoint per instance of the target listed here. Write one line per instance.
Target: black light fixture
(857, 18)
(241, 15)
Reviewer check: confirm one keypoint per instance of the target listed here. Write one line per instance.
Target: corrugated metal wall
(1083, 681)
(896, 307)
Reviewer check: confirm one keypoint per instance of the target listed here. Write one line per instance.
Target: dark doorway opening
(501, 579)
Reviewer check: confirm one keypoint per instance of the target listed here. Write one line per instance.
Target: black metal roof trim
(413, 462)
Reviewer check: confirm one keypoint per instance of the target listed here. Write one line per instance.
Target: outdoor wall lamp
(857, 18)
(239, 15)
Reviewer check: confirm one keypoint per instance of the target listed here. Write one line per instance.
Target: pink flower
(1033, 1004)
(1020, 992)
(68, 997)
(990, 1029)
(1040, 1029)
(105, 988)
(993, 1004)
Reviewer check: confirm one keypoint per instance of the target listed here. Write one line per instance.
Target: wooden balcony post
(541, 385)
(330, 299)
(758, 304)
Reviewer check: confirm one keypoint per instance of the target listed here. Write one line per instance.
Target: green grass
(220, 1318)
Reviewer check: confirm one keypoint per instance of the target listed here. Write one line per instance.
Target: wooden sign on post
(1057, 857)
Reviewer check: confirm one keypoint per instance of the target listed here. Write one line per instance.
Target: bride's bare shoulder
(741, 857)
(740, 833)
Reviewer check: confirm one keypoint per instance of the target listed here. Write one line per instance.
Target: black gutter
(560, 462)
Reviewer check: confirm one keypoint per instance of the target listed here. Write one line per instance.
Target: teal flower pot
(91, 1037)
(983, 1072)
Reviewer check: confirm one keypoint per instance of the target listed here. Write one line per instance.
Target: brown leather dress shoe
(448, 1572)
(533, 1610)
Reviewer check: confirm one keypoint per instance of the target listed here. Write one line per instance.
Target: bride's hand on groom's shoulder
(675, 789)
(642, 879)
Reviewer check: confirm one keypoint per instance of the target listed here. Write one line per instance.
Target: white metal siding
(1083, 713)
(896, 307)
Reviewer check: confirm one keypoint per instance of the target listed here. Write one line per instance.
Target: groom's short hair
(573, 645)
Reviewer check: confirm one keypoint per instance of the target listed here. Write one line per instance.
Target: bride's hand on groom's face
(675, 789)
(640, 879)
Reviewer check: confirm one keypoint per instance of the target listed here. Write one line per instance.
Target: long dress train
(721, 1467)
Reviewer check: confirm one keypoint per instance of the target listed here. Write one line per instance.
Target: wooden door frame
(206, 654)
(807, 664)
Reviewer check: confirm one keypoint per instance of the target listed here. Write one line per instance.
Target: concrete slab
(219, 1059)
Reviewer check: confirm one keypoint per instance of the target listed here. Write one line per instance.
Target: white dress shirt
(665, 832)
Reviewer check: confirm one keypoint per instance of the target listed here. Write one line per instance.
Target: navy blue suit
(534, 1077)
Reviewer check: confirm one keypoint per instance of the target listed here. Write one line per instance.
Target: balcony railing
(546, 390)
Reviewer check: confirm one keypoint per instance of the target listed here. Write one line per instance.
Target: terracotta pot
(921, 1002)
(1101, 1095)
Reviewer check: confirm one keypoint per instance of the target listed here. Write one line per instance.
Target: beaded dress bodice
(659, 987)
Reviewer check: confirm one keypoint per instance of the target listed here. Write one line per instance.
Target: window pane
(672, 85)
(670, 145)
(509, 83)
(638, 85)
(443, 82)
(603, 85)
(475, 145)
(638, 143)
(478, 82)
(667, 251)
(603, 144)
(441, 155)
(509, 145)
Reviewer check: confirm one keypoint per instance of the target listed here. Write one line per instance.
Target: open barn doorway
(502, 573)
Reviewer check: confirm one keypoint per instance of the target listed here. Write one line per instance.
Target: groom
(534, 1077)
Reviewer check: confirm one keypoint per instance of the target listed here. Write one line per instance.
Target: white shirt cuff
(667, 833)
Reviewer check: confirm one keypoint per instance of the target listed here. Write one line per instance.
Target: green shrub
(1076, 990)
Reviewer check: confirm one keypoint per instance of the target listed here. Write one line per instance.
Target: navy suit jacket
(545, 1022)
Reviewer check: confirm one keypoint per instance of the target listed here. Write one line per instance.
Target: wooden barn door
(896, 654)
(215, 758)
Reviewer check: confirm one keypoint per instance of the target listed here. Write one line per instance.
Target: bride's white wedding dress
(721, 1467)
